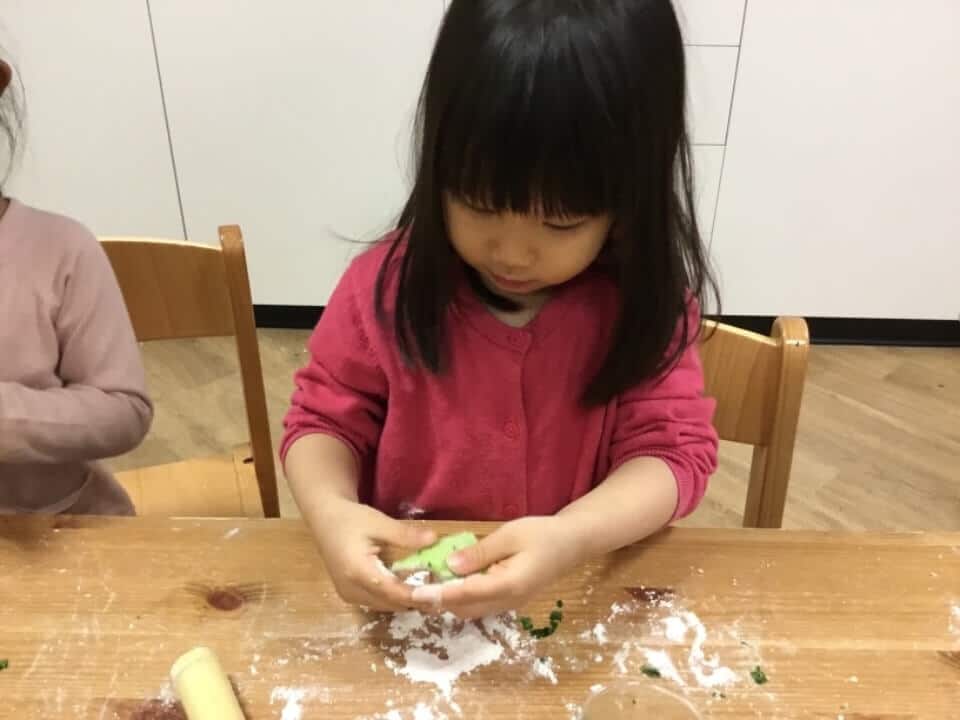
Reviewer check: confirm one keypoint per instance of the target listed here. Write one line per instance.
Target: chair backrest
(174, 290)
(757, 382)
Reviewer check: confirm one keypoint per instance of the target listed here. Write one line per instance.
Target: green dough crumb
(556, 617)
(4, 664)
(758, 675)
(434, 558)
(650, 671)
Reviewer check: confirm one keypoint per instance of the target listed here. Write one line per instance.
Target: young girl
(523, 347)
(71, 382)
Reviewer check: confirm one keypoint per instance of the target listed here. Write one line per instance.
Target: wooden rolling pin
(203, 687)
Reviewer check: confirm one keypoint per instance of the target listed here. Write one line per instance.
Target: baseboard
(823, 330)
(864, 331)
(289, 317)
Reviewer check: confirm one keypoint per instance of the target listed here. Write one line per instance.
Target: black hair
(11, 123)
(568, 107)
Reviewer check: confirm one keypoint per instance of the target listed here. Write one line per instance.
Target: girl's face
(521, 256)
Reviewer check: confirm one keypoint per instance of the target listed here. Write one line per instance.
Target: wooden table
(94, 611)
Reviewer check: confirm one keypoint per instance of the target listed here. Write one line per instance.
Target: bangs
(530, 125)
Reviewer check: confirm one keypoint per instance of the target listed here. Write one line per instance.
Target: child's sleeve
(342, 391)
(101, 409)
(671, 419)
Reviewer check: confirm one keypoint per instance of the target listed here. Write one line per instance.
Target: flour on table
(293, 699)
(675, 628)
(664, 664)
(166, 694)
(440, 650)
(671, 627)
(543, 667)
(600, 634)
(955, 619)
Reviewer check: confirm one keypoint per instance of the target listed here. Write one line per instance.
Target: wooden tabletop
(94, 611)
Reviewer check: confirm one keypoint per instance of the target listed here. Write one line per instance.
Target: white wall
(96, 144)
(293, 119)
(840, 189)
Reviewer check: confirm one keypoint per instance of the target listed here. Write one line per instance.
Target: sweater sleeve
(101, 409)
(342, 391)
(671, 419)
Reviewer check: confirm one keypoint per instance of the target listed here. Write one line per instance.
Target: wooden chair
(176, 290)
(758, 384)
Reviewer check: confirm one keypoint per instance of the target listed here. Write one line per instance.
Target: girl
(71, 382)
(523, 346)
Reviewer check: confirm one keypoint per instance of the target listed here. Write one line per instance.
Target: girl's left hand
(521, 559)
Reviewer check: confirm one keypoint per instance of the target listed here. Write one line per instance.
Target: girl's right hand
(351, 537)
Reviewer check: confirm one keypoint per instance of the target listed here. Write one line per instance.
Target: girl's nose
(513, 254)
(512, 261)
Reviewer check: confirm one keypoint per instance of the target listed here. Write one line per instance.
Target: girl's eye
(479, 209)
(565, 227)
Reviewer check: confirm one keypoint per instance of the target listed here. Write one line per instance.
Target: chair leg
(751, 511)
(769, 482)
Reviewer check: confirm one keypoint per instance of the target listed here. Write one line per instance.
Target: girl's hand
(521, 559)
(351, 537)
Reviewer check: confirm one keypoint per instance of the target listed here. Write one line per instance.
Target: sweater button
(511, 429)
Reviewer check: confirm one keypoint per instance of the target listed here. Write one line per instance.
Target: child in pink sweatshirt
(72, 386)
(523, 347)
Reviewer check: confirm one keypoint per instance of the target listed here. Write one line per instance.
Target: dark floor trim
(290, 317)
(864, 331)
(823, 330)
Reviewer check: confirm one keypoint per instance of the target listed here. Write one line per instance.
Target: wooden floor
(878, 445)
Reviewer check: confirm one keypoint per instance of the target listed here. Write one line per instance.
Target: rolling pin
(203, 687)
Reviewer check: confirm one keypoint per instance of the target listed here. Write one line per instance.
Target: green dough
(434, 558)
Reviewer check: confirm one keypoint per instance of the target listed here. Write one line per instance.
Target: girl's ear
(6, 75)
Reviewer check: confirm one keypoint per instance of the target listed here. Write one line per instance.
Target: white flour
(664, 664)
(707, 670)
(439, 650)
(544, 668)
(955, 619)
(600, 634)
(293, 699)
(674, 624)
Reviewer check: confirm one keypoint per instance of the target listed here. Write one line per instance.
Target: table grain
(93, 611)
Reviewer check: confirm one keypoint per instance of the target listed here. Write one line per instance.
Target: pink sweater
(71, 380)
(500, 434)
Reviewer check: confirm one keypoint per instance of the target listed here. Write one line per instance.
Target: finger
(402, 534)
(492, 549)
(367, 602)
(481, 610)
(378, 582)
(492, 587)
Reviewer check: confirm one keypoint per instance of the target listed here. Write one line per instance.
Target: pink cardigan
(500, 434)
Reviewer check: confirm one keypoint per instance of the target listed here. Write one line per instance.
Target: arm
(102, 408)
(635, 501)
(332, 430)
(336, 414)
(663, 451)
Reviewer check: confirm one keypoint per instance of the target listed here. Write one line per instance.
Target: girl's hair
(569, 107)
(10, 126)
